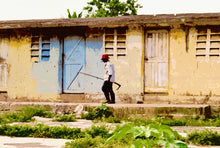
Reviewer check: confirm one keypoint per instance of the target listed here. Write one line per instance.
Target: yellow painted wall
(188, 76)
(21, 84)
(128, 69)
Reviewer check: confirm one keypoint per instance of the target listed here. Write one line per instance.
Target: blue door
(74, 62)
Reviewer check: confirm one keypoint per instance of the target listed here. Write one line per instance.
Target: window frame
(115, 41)
(208, 51)
(42, 53)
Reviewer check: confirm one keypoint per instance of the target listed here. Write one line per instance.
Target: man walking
(109, 78)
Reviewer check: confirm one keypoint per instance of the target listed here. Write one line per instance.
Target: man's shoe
(106, 102)
(111, 103)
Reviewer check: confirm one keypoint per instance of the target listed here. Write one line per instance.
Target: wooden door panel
(156, 61)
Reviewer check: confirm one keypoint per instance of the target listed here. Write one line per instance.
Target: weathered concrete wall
(4, 47)
(129, 68)
(32, 81)
(94, 65)
(20, 83)
(46, 73)
(191, 80)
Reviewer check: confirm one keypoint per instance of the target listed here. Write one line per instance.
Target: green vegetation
(148, 136)
(26, 114)
(205, 137)
(129, 135)
(178, 122)
(108, 8)
(65, 118)
(74, 15)
(40, 130)
(111, 8)
(140, 132)
(102, 113)
(97, 113)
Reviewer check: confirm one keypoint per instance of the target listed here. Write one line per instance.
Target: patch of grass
(25, 114)
(102, 113)
(65, 118)
(41, 130)
(151, 135)
(112, 119)
(176, 122)
(98, 113)
(205, 137)
(129, 135)
(95, 131)
(87, 142)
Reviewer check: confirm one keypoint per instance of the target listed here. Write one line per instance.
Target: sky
(55, 9)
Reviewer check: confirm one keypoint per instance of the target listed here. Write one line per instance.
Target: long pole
(119, 85)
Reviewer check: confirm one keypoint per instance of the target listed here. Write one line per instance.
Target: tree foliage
(111, 8)
(108, 8)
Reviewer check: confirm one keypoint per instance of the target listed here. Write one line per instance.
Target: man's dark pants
(107, 89)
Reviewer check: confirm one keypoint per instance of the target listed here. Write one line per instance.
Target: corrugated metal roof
(191, 18)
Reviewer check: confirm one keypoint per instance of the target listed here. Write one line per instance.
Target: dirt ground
(17, 142)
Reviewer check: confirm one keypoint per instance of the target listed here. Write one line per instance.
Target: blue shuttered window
(40, 48)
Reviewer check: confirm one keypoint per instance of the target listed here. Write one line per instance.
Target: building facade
(158, 59)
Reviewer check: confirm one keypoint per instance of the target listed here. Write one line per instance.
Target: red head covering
(104, 56)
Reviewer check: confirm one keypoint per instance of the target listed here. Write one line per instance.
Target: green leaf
(74, 15)
(138, 143)
(119, 134)
(137, 131)
(151, 130)
(69, 15)
(80, 15)
(180, 144)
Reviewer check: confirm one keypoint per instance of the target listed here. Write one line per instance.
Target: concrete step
(122, 110)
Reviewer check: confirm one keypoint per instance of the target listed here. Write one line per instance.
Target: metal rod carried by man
(119, 85)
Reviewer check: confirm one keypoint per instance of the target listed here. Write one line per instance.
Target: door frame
(156, 91)
(82, 35)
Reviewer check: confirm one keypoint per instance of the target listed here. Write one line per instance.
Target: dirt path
(26, 142)
(16, 142)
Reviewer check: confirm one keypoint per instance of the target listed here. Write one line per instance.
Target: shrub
(112, 119)
(98, 113)
(177, 122)
(86, 142)
(148, 136)
(25, 114)
(206, 137)
(98, 131)
(41, 130)
(65, 118)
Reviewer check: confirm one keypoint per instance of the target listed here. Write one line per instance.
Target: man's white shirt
(109, 70)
